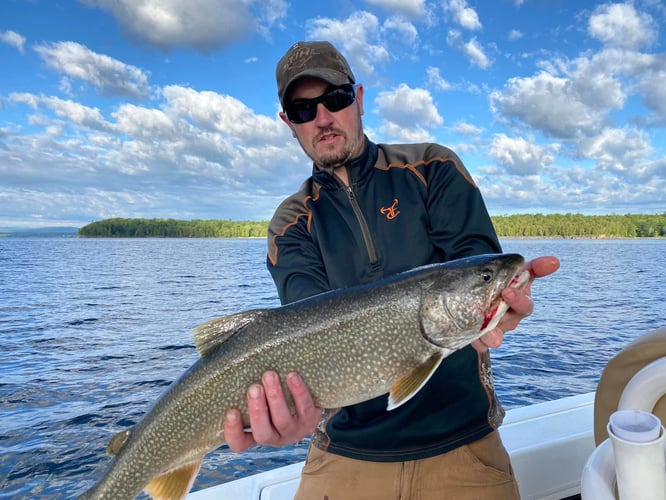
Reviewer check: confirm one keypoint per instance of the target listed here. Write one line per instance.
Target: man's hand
(519, 302)
(271, 421)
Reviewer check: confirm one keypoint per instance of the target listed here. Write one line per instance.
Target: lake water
(93, 330)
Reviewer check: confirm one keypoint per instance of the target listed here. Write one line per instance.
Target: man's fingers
(259, 411)
(280, 413)
(520, 302)
(306, 411)
(234, 434)
(543, 266)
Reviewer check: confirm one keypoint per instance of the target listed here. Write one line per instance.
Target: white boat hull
(549, 444)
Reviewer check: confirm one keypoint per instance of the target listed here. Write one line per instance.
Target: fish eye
(486, 275)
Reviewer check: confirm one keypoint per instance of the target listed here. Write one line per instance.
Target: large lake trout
(349, 346)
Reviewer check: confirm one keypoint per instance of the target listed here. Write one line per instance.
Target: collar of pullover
(358, 169)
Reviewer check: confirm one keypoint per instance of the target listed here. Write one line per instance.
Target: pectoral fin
(406, 387)
(116, 444)
(175, 484)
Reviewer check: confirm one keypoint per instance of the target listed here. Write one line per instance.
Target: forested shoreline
(173, 228)
(517, 226)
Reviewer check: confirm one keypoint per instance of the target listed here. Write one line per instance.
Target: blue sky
(167, 108)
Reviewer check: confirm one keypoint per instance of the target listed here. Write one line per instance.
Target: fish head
(464, 300)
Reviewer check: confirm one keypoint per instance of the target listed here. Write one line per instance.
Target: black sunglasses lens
(338, 99)
(305, 110)
(301, 111)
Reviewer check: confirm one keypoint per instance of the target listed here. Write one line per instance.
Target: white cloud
(464, 128)
(464, 15)
(409, 8)
(227, 160)
(76, 113)
(620, 25)
(472, 49)
(270, 13)
(619, 150)
(515, 35)
(356, 37)
(577, 98)
(548, 103)
(144, 123)
(476, 54)
(435, 79)
(521, 157)
(654, 94)
(204, 25)
(14, 39)
(401, 30)
(109, 76)
(407, 112)
(224, 114)
(415, 134)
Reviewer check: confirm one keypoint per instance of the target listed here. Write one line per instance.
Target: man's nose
(324, 117)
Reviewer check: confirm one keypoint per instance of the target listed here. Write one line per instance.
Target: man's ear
(359, 98)
(283, 117)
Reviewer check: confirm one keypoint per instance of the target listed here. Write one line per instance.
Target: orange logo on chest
(391, 212)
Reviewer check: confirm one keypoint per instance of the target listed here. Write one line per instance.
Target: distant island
(508, 226)
(173, 228)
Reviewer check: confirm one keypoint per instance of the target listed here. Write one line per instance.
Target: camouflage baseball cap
(315, 59)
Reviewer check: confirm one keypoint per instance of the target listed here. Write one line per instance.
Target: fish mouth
(498, 307)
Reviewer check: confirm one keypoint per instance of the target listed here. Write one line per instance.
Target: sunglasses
(305, 110)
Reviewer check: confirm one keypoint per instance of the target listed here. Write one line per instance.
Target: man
(370, 211)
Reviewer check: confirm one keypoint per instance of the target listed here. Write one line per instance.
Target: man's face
(332, 138)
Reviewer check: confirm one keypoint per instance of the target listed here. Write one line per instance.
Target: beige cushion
(619, 370)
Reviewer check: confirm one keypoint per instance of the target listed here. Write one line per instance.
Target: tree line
(581, 226)
(173, 228)
(519, 225)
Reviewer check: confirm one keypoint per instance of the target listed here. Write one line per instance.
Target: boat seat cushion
(619, 371)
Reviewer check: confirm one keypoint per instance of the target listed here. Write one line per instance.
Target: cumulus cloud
(408, 8)
(14, 39)
(471, 48)
(547, 103)
(464, 128)
(620, 25)
(575, 98)
(356, 37)
(520, 156)
(619, 150)
(233, 160)
(653, 91)
(224, 114)
(563, 134)
(402, 31)
(203, 25)
(435, 80)
(407, 113)
(108, 75)
(462, 14)
(476, 54)
(145, 123)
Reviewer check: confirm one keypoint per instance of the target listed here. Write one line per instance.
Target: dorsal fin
(208, 336)
(175, 484)
(405, 388)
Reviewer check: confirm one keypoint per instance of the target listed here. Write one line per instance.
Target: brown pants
(478, 471)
